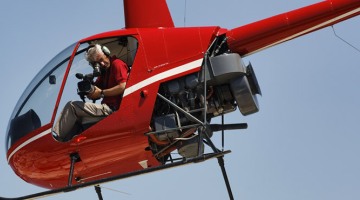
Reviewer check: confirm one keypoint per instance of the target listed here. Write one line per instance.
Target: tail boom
(265, 33)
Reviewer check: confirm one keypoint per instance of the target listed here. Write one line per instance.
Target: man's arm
(114, 91)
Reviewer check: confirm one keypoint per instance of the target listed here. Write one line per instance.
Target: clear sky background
(303, 144)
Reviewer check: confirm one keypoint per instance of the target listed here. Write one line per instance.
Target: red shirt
(117, 73)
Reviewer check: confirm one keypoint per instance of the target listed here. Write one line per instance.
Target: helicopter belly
(48, 165)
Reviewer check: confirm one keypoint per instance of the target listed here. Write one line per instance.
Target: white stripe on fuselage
(183, 68)
(29, 141)
(180, 69)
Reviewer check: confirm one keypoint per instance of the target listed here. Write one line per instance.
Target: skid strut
(98, 191)
(226, 179)
(74, 157)
(220, 160)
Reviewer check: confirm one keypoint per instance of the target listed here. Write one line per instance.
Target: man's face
(103, 60)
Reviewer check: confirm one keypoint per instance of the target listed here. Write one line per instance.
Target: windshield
(36, 105)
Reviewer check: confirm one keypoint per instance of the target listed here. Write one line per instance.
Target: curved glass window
(36, 105)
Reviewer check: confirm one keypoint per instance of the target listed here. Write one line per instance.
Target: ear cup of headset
(105, 50)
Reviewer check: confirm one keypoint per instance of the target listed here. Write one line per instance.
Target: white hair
(93, 52)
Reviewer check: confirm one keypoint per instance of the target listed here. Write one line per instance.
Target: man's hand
(96, 94)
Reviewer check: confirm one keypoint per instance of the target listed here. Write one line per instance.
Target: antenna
(185, 14)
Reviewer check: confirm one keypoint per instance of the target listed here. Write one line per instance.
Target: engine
(223, 85)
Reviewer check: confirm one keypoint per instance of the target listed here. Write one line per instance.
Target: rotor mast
(147, 14)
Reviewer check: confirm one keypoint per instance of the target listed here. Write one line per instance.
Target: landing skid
(204, 157)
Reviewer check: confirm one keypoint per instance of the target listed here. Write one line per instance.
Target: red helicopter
(172, 93)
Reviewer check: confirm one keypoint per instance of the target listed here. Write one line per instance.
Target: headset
(104, 49)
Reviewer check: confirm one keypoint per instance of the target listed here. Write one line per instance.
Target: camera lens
(97, 70)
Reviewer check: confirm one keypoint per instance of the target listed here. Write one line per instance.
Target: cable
(185, 14)
(118, 191)
(344, 40)
(99, 187)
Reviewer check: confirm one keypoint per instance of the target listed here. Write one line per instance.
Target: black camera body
(86, 85)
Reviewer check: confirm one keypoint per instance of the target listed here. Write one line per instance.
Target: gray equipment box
(226, 67)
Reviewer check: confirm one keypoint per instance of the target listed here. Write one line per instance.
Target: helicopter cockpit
(56, 84)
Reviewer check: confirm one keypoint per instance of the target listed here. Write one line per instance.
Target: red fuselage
(117, 144)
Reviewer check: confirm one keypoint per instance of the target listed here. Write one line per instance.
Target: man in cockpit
(109, 86)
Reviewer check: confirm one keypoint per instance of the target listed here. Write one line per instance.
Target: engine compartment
(222, 85)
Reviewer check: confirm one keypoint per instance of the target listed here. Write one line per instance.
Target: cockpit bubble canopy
(38, 104)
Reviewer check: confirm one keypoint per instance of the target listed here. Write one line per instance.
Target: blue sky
(303, 144)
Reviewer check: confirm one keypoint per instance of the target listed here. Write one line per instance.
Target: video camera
(86, 85)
